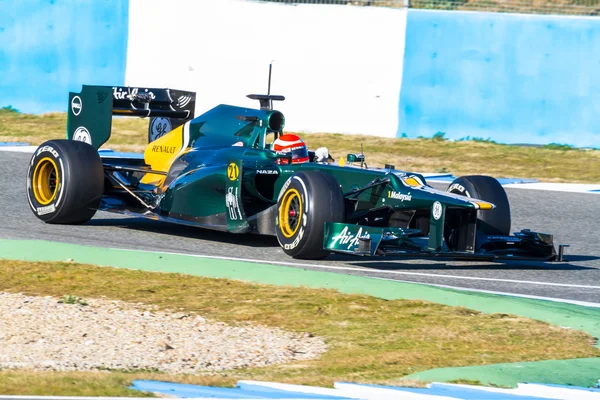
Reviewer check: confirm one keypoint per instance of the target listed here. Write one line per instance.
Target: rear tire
(490, 222)
(65, 182)
(306, 201)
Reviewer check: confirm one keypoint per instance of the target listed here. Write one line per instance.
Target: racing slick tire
(490, 222)
(306, 201)
(65, 182)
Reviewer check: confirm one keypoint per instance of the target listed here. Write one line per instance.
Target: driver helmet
(289, 143)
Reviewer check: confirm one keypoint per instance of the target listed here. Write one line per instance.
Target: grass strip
(568, 372)
(573, 316)
(550, 163)
(371, 340)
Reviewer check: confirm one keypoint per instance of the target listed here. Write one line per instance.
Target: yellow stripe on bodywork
(412, 182)
(484, 205)
(161, 153)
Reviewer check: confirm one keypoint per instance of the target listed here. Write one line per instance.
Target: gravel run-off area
(47, 333)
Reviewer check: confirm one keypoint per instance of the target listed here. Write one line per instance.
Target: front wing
(370, 241)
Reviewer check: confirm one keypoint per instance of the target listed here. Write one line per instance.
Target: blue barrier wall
(49, 47)
(511, 78)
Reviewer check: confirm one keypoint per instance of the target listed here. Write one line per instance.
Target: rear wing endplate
(90, 111)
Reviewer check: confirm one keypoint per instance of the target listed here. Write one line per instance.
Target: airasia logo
(130, 94)
(345, 237)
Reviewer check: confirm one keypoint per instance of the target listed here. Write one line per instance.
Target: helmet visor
(299, 154)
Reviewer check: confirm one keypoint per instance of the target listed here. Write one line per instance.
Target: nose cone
(453, 200)
(483, 205)
(456, 200)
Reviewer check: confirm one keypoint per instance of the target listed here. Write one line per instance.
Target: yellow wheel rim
(290, 213)
(45, 181)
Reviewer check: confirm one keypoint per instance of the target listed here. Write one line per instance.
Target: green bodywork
(394, 206)
(198, 191)
(91, 109)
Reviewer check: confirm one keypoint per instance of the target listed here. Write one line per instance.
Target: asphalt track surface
(573, 218)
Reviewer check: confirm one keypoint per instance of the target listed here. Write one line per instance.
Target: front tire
(65, 182)
(307, 200)
(489, 222)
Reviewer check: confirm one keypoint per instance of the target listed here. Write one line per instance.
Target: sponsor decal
(267, 172)
(240, 144)
(81, 134)
(232, 201)
(347, 238)
(183, 101)
(287, 150)
(101, 97)
(49, 149)
(306, 203)
(46, 210)
(460, 188)
(76, 105)
(399, 196)
(296, 241)
(164, 149)
(505, 238)
(233, 171)
(437, 210)
(159, 127)
(284, 188)
(131, 93)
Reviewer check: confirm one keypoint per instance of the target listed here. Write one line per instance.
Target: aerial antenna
(362, 160)
(266, 100)
(269, 86)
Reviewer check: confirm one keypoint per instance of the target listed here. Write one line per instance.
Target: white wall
(340, 67)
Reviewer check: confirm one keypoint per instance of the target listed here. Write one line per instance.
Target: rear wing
(90, 111)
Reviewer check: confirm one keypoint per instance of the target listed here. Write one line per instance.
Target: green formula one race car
(221, 171)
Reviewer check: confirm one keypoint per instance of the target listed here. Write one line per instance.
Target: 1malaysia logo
(399, 196)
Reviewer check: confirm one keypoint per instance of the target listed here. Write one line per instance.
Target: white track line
(19, 149)
(339, 268)
(554, 187)
(527, 296)
(558, 187)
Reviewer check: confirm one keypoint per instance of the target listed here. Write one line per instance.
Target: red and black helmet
(291, 144)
